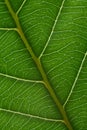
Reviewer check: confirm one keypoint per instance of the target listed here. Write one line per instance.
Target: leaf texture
(43, 62)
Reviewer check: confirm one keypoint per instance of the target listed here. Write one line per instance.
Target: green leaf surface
(43, 65)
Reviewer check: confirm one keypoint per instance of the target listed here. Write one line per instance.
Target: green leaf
(43, 65)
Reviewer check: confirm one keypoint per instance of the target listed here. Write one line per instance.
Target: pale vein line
(30, 115)
(54, 25)
(21, 7)
(8, 29)
(75, 81)
(21, 79)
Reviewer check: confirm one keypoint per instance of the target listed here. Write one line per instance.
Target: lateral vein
(20, 79)
(18, 11)
(75, 81)
(8, 29)
(54, 25)
(30, 115)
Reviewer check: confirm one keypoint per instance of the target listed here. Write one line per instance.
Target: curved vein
(30, 115)
(54, 25)
(75, 81)
(21, 79)
(21, 7)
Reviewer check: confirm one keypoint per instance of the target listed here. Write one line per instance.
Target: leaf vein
(20, 8)
(8, 29)
(30, 115)
(20, 79)
(76, 79)
(54, 25)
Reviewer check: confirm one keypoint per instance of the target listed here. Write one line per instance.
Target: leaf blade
(67, 53)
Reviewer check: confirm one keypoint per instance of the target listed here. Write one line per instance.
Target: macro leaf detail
(43, 65)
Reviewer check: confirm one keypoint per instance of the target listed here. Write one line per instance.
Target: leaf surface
(43, 62)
